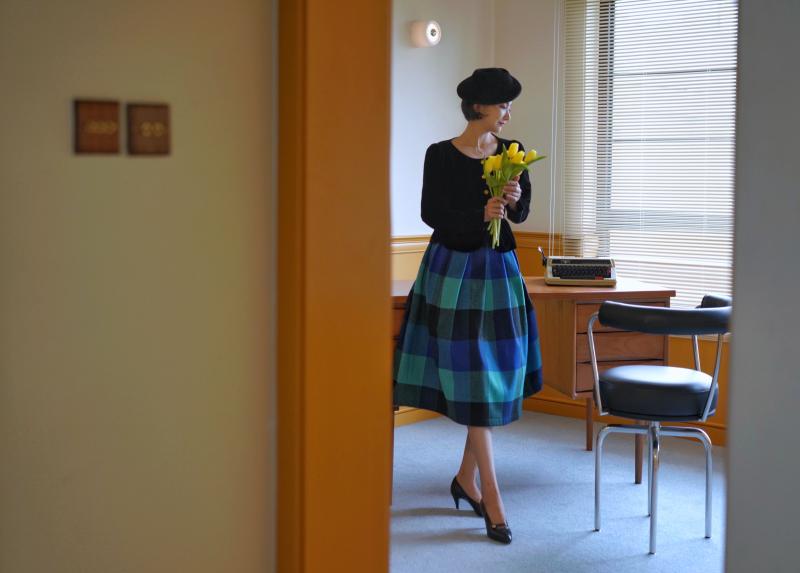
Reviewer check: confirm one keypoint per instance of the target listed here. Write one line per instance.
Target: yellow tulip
(512, 149)
(518, 157)
(530, 156)
(488, 165)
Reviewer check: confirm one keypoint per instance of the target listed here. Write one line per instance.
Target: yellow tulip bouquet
(499, 169)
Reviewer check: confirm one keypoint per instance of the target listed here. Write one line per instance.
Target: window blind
(649, 101)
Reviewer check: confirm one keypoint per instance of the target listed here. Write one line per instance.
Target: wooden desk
(562, 314)
(400, 290)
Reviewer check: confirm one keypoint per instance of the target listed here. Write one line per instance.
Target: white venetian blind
(649, 97)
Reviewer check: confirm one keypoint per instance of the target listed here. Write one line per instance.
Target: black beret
(489, 86)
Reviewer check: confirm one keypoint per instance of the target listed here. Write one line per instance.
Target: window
(648, 135)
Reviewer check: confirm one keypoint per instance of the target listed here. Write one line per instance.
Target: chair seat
(644, 392)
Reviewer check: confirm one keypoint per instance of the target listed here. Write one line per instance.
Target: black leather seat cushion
(655, 392)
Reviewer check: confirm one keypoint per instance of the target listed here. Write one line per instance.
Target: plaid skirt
(469, 344)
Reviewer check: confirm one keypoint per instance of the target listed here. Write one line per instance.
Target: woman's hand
(512, 192)
(495, 209)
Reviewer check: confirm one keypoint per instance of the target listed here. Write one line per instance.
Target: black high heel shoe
(458, 493)
(496, 531)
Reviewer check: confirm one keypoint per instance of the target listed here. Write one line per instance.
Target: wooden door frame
(333, 299)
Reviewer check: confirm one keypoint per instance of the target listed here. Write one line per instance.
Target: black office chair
(659, 394)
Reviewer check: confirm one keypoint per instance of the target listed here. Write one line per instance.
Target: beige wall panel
(136, 387)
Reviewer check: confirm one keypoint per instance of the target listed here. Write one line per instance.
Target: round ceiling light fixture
(425, 33)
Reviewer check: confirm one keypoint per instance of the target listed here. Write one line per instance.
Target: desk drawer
(397, 321)
(584, 311)
(584, 380)
(620, 346)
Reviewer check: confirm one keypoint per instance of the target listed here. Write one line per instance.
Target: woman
(469, 345)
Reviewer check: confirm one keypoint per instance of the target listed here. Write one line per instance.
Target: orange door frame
(333, 285)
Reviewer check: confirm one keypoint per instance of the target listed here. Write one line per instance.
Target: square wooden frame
(95, 126)
(148, 129)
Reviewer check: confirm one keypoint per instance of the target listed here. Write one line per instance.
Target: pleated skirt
(469, 344)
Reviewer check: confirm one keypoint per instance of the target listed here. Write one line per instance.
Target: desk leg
(589, 424)
(638, 450)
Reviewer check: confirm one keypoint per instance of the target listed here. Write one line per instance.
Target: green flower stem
(496, 186)
(496, 180)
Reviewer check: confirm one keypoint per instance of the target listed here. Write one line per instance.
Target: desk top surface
(625, 288)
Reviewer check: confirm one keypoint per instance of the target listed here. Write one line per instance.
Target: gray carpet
(546, 479)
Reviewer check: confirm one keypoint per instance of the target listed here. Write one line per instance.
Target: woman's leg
(480, 441)
(468, 472)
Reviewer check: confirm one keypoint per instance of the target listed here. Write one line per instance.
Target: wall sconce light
(425, 33)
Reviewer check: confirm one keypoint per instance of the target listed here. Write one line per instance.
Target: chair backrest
(711, 319)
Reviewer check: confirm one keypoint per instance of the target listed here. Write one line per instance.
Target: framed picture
(148, 129)
(96, 126)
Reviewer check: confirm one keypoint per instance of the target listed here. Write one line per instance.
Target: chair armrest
(593, 357)
(715, 301)
(661, 320)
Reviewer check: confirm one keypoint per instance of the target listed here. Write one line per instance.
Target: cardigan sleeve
(436, 210)
(523, 208)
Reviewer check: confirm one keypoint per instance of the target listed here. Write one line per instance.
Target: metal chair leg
(709, 474)
(654, 433)
(702, 436)
(598, 458)
(649, 474)
(655, 439)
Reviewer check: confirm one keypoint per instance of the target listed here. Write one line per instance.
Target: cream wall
(136, 364)
(425, 107)
(515, 34)
(525, 31)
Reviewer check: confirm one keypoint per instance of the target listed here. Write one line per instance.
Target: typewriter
(579, 271)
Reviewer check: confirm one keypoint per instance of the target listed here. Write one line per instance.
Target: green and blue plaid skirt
(469, 344)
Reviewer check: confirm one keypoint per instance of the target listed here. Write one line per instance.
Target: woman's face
(495, 116)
